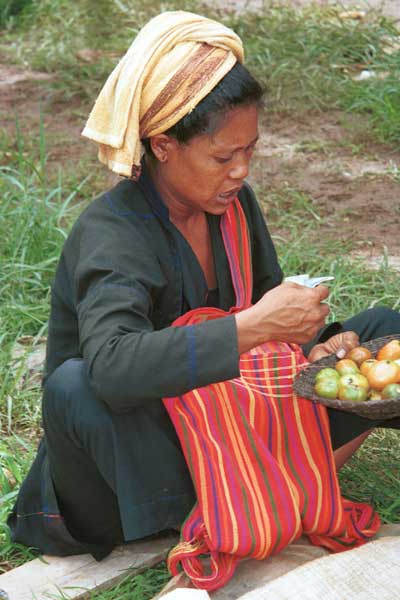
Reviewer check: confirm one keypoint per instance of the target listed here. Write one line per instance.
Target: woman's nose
(240, 168)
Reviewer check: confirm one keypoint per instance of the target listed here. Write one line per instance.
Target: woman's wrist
(249, 331)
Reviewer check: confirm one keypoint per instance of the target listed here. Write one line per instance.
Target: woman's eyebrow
(233, 149)
(254, 141)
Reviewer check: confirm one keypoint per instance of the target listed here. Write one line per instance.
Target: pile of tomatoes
(359, 376)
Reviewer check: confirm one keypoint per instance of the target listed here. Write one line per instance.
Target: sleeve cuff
(213, 351)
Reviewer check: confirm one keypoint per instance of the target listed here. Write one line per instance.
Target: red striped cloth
(260, 456)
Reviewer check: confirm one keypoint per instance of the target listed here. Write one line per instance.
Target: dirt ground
(390, 8)
(355, 188)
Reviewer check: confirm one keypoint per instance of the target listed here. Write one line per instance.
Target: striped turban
(173, 63)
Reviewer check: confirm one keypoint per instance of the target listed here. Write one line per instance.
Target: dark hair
(237, 88)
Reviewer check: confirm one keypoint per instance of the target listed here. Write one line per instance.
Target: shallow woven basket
(371, 409)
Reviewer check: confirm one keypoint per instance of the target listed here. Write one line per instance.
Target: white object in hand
(308, 281)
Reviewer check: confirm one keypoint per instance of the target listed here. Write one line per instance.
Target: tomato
(345, 366)
(326, 373)
(382, 373)
(389, 351)
(327, 388)
(359, 354)
(392, 390)
(397, 361)
(353, 393)
(354, 379)
(366, 365)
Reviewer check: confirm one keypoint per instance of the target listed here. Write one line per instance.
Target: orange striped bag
(260, 457)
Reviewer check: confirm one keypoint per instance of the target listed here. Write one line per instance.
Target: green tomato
(327, 388)
(352, 393)
(354, 379)
(326, 373)
(392, 390)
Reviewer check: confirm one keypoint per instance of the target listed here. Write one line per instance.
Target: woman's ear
(162, 146)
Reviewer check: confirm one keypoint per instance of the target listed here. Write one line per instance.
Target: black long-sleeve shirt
(125, 274)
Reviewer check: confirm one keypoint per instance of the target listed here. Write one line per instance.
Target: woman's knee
(69, 401)
(67, 383)
(374, 322)
(385, 317)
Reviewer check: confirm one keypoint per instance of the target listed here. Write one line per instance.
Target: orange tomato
(366, 365)
(382, 373)
(359, 354)
(390, 351)
(397, 361)
(345, 366)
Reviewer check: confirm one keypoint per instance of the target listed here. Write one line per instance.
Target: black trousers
(123, 477)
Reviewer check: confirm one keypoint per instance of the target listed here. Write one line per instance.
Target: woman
(110, 468)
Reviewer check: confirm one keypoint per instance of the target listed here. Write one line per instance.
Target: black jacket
(125, 274)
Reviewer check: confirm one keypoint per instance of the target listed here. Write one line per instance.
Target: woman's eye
(223, 159)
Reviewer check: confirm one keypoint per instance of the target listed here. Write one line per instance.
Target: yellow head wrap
(173, 63)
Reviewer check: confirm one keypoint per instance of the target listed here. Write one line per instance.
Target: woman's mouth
(227, 197)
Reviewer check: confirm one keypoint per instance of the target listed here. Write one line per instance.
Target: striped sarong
(260, 456)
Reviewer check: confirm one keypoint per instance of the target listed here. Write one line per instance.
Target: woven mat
(307, 572)
(369, 572)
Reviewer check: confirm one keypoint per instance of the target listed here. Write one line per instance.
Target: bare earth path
(355, 191)
(390, 8)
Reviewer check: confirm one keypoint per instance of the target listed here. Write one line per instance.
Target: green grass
(305, 59)
(35, 216)
(140, 587)
(9, 9)
(372, 475)
(303, 248)
(106, 26)
(15, 456)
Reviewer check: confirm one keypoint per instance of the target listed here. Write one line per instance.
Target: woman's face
(206, 173)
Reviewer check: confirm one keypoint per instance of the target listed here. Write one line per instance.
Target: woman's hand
(288, 313)
(338, 344)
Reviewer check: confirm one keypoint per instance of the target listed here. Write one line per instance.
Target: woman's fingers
(339, 344)
(319, 351)
(292, 313)
(289, 313)
(322, 291)
(347, 340)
